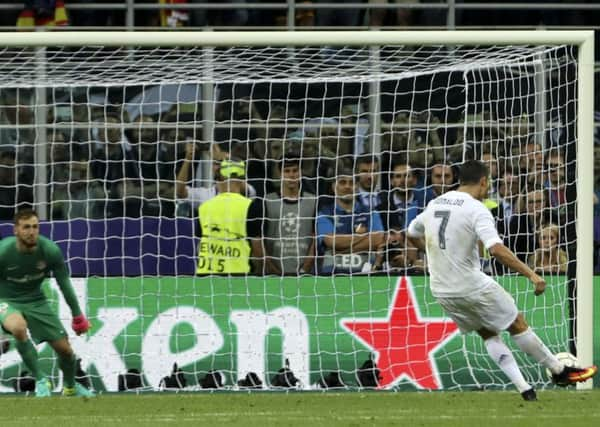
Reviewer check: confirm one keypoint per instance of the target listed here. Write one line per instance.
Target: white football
(567, 359)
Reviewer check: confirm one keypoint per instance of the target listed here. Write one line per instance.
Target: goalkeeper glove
(80, 324)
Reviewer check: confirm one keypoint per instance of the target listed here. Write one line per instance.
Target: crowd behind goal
(108, 160)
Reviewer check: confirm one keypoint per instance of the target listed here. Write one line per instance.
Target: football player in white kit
(450, 229)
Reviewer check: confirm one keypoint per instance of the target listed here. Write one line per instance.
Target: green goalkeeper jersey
(22, 273)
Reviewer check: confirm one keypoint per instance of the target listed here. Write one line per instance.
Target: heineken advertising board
(320, 324)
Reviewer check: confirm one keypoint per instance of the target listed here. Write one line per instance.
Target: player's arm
(486, 231)
(358, 242)
(184, 173)
(363, 238)
(510, 260)
(415, 233)
(80, 323)
(61, 274)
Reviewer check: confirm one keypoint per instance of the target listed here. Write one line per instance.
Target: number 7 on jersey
(445, 216)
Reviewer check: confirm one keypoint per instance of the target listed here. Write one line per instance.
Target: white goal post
(583, 41)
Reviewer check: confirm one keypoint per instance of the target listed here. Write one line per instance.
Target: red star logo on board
(404, 342)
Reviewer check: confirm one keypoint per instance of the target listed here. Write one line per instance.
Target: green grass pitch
(488, 409)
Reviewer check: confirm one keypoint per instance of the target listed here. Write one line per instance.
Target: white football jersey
(452, 224)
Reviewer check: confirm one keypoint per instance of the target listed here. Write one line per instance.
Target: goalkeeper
(25, 261)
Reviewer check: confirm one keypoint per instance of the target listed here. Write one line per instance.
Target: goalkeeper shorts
(42, 321)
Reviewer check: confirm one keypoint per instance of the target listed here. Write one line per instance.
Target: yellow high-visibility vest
(224, 246)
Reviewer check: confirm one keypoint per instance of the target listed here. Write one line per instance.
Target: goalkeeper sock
(69, 366)
(30, 357)
(531, 344)
(504, 358)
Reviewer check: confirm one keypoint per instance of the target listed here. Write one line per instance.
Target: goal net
(323, 153)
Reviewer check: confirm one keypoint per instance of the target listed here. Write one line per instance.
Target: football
(567, 359)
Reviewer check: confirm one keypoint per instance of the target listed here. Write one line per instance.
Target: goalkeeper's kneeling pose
(25, 261)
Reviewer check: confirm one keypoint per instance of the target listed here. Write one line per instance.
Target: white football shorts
(493, 309)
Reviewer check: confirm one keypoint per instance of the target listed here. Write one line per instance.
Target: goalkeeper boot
(78, 390)
(570, 375)
(529, 395)
(42, 388)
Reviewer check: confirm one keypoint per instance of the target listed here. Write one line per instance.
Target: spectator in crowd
(398, 253)
(115, 166)
(76, 195)
(154, 192)
(556, 184)
(402, 16)
(325, 132)
(348, 232)
(548, 258)
(481, 130)
(399, 206)
(103, 17)
(231, 228)
(261, 144)
(58, 156)
(367, 169)
(15, 111)
(49, 13)
(346, 17)
(509, 189)
(490, 160)
(355, 127)
(195, 196)
(173, 18)
(173, 138)
(441, 179)
(198, 195)
(8, 17)
(322, 151)
(290, 220)
(304, 17)
(403, 202)
(199, 17)
(532, 216)
(318, 160)
(515, 132)
(531, 163)
(13, 195)
(214, 17)
(416, 136)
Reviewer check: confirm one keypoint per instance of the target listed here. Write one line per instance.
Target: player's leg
(66, 360)
(469, 314)
(531, 344)
(45, 325)
(528, 341)
(68, 365)
(14, 323)
(493, 310)
(501, 354)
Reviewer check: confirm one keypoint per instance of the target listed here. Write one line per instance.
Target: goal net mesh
(118, 149)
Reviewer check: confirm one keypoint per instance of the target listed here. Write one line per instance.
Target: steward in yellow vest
(230, 227)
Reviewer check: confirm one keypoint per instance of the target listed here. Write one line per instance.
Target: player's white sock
(506, 361)
(531, 344)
